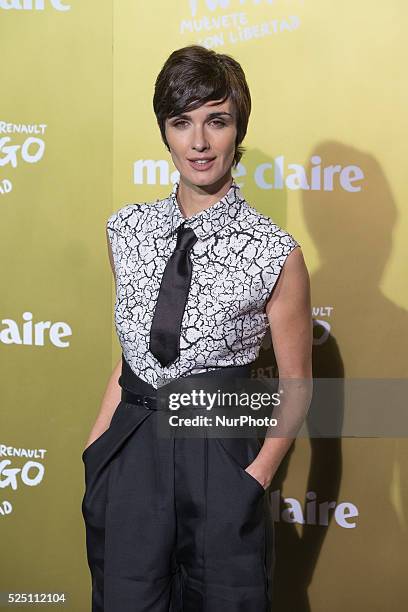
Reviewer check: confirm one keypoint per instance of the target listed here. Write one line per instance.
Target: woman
(183, 523)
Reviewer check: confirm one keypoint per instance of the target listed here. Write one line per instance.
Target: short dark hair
(194, 75)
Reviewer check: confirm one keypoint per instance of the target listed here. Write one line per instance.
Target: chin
(204, 178)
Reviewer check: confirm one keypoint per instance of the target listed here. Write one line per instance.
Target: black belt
(148, 401)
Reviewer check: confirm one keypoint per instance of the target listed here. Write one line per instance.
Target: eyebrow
(209, 116)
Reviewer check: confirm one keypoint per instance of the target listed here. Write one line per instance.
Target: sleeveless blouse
(236, 263)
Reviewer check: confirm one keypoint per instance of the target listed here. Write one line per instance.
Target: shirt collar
(208, 221)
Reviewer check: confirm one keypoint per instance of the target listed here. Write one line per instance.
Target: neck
(192, 199)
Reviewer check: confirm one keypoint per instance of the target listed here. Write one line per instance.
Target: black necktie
(173, 293)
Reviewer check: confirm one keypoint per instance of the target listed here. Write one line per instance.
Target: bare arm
(112, 393)
(289, 315)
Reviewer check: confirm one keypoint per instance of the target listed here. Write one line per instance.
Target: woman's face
(207, 133)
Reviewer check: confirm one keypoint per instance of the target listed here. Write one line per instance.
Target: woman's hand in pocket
(259, 473)
(93, 438)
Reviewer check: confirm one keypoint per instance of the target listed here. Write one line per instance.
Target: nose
(199, 139)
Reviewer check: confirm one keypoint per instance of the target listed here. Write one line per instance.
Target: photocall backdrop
(325, 158)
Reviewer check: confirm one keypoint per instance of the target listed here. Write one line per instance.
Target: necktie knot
(186, 238)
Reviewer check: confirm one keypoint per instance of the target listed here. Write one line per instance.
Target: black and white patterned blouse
(236, 262)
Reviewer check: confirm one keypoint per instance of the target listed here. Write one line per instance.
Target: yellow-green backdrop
(325, 159)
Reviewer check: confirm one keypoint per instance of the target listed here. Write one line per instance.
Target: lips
(201, 163)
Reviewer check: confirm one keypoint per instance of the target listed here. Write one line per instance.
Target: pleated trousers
(174, 524)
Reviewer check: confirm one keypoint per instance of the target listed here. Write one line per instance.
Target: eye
(180, 123)
(218, 122)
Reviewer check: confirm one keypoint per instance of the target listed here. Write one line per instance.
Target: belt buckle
(146, 401)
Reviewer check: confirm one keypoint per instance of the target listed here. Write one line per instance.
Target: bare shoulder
(292, 288)
(295, 264)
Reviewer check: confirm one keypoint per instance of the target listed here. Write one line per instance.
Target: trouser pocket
(241, 452)
(98, 457)
(234, 549)
(90, 448)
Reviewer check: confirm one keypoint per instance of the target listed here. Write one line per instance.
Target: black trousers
(174, 524)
